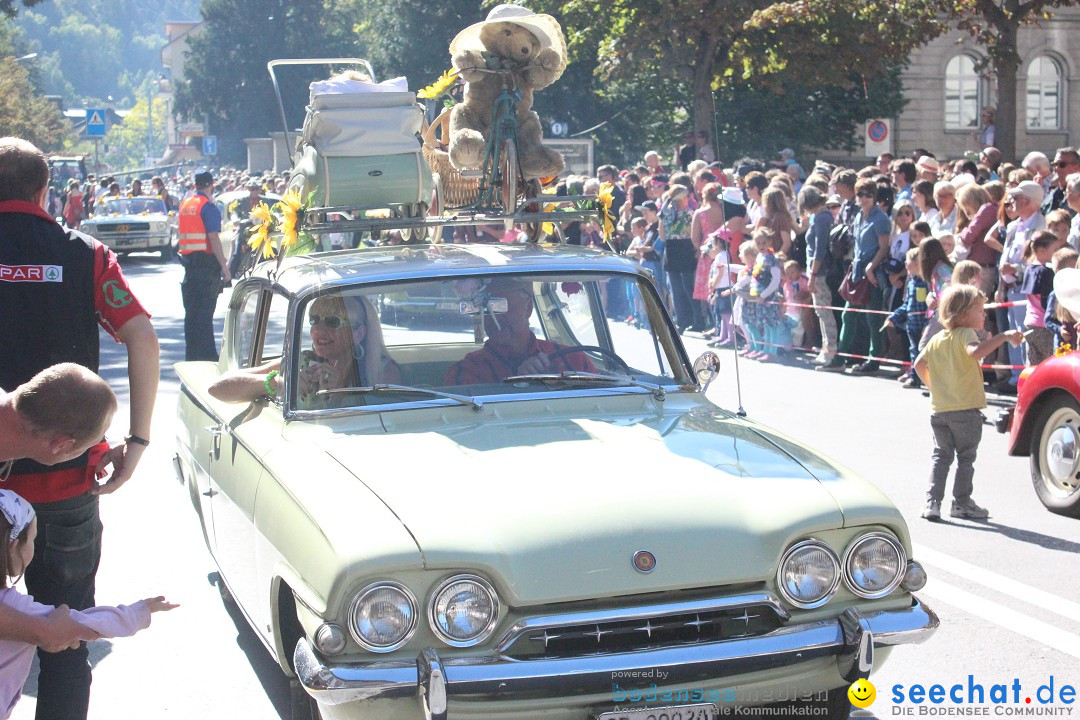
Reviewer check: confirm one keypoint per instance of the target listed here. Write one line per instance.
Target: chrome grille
(131, 227)
(626, 634)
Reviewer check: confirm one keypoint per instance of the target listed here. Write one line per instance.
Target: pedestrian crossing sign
(95, 123)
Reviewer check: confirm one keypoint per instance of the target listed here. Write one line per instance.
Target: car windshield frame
(663, 333)
(107, 206)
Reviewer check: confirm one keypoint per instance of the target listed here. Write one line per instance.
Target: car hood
(152, 217)
(554, 510)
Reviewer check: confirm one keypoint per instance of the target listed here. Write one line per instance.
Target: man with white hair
(1025, 199)
(1038, 165)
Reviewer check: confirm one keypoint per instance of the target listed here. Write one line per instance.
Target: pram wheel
(533, 230)
(508, 169)
(436, 207)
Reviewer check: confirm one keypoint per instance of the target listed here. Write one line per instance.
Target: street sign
(878, 137)
(209, 145)
(190, 128)
(559, 129)
(95, 122)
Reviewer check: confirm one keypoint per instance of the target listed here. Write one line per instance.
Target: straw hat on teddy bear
(544, 27)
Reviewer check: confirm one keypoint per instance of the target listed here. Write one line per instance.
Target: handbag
(856, 293)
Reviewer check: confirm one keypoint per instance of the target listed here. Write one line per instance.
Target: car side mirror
(706, 368)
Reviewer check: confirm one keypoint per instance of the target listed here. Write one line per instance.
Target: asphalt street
(1007, 590)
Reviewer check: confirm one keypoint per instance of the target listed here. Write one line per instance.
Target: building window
(1044, 94)
(963, 91)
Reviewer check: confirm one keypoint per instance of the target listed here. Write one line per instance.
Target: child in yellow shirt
(949, 365)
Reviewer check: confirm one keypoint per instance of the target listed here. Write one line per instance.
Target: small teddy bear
(531, 47)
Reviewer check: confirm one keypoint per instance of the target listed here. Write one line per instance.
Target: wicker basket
(457, 191)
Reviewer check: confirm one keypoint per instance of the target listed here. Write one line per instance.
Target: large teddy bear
(532, 46)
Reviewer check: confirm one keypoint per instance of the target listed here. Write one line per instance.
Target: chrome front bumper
(850, 638)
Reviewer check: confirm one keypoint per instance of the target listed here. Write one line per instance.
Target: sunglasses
(1064, 163)
(865, 194)
(331, 322)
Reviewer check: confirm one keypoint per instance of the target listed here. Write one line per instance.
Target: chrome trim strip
(640, 612)
(491, 677)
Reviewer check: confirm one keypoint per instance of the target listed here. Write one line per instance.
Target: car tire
(1055, 456)
(301, 706)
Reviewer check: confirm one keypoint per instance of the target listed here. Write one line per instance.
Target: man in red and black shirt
(56, 287)
(511, 347)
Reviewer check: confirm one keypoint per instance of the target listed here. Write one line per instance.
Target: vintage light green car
(516, 504)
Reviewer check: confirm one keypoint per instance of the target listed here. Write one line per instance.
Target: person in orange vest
(205, 268)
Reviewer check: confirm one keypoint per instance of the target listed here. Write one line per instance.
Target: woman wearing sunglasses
(347, 351)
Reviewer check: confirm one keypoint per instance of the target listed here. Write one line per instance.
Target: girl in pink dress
(18, 529)
(707, 219)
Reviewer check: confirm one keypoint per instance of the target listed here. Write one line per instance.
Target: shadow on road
(1028, 536)
(274, 682)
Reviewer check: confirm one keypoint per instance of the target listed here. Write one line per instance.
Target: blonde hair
(373, 361)
(1066, 257)
(967, 272)
(956, 301)
(748, 249)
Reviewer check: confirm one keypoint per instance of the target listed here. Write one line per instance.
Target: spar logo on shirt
(31, 273)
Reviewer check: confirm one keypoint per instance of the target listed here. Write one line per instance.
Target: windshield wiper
(588, 377)
(385, 387)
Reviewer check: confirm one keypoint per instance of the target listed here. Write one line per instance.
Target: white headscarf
(17, 511)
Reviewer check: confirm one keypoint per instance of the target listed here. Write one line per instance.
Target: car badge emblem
(644, 561)
(375, 173)
(121, 228)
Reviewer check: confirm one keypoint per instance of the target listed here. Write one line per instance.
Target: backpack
(841, 241)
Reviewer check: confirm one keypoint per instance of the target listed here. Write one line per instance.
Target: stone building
(945, 93)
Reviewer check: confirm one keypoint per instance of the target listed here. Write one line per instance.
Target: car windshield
(131, 206)
(482, 336)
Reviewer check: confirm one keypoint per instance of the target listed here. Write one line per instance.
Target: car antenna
(735, 333)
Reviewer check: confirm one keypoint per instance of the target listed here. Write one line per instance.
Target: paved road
(1007, 590)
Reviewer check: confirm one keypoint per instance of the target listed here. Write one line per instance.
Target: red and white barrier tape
(889, 361)
(988, 306)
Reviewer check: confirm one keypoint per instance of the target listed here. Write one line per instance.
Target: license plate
(700, 711)
(124, 242)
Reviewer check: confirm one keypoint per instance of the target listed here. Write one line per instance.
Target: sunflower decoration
(1063, 349)
(291, 209)
(604, 200)
(440, 87)
(262, 220)
(278, 230)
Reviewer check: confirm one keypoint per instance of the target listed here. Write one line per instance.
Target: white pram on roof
(359, 146)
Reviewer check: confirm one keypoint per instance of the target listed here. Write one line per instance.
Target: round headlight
(809, 574)
(464, 610)
(383, 616)
(874, 565)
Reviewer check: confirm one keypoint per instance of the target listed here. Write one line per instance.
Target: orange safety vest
(192, 231)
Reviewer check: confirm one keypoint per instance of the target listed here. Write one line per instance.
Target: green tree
(227, 81)
(25, 113)
(10, 7)
(127, 141)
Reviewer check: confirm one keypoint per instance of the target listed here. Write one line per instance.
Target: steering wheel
(610, 354)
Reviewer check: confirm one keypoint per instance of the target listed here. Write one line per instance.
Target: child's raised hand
(1014, 337)
(160, 604)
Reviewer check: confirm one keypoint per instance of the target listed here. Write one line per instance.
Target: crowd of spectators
(770, 259)
(849, 263)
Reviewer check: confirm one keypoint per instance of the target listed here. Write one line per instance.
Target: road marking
(1007, 618)
(1067, 609)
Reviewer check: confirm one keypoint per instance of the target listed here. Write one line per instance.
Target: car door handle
(210, 493)
(215, 431)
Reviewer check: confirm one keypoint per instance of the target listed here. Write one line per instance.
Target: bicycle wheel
(436, 207)
(508, 170)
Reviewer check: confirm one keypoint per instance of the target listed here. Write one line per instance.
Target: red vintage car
(1045, 425)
